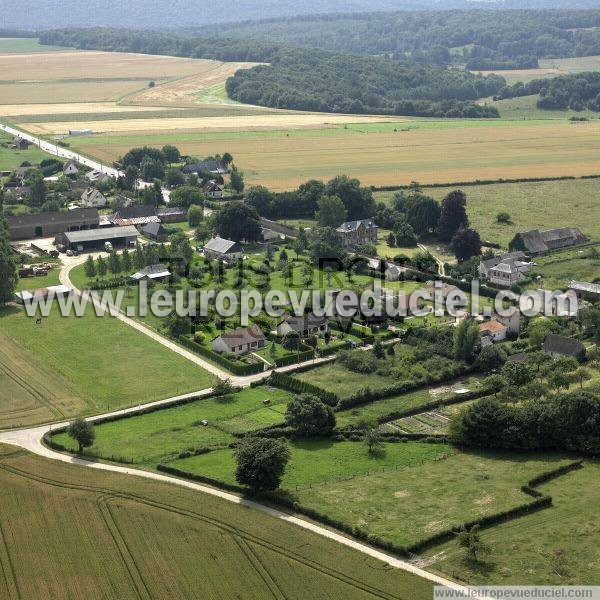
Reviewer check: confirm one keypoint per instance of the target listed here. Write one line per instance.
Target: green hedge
(235, 368)
(290, 384)
(366, 395)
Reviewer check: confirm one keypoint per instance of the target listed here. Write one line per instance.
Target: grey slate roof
(154, 229)
(354, 225)
(158, 269)
(96, 235)
(242, 336)
(562, 345)
(71, 217)
(541, 241)
(302, 322)
(222, 246)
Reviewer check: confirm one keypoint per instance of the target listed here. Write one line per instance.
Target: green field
(406, 365)
(25, 45)
(69, 532)
(525, 549)
(572, 65)
(161, 435)
(381, 408)
(525, 107)
(560, 268)
(36, 283)
(531, 205)
(10, 159)
(109, 364)
(409, 492)
(382, 153)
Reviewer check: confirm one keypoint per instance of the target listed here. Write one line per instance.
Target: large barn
(94, 239)
(28, 227)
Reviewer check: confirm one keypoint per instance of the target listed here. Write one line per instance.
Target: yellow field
(453, 152)
(13, 110)
(182, 91)
(187, 124)
(72, 532)
(91, 76)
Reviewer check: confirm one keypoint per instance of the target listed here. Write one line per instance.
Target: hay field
(29, 391)
(182, 92)
(69, 108)
(72, 532)
(428, 152)
(93, 76)
(531, 205)
(186, 124)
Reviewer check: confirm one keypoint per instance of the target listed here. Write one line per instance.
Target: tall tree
(171, 154)
(331, 211)
(466, 340)
(238, 221)
(37, 190)
(90, 267)
(466, 243)
(453, 215)
(82, 432)
(358, 201)
(326, 244)
(237, 180)
(8, 266)
(261, 462)
(309, 416)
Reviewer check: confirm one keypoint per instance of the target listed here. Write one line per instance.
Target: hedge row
(394, 188)
(235, 368)
(367, 395)
(290, 384)
(291, 359)
(541, 502)
(112, 283)
(360, 331)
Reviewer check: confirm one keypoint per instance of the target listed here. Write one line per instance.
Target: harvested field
(524, 75)
(70, 532)
(424, 151)
(237, 123)
(183, 91)
(13, 110)
(29, 391)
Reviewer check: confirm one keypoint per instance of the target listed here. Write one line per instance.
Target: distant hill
(158, 14)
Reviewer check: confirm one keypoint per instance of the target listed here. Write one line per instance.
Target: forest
(479, 39)
(578, 92)
(312, 79)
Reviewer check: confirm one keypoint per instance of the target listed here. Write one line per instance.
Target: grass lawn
(161, 435)
(525, 108)
(25, 45)
(560, 268)
(531, 205)
(524, 550)
(10, 159)
(109, 364)
(73, 532)
(35, 283)
(381, 408)
(409, 492)
(335, 377)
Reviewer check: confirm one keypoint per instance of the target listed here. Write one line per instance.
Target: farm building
(210, 165)
(240, 341)
(97, 176)
(172, 214)
(155, 231)
(559, 345)
(153, 272)
(52, 292)
(136, 214)
(23, 227)
(94, 239)
(586, 291)
(222, 249)
(539, 242)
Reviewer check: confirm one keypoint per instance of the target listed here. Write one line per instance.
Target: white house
(153, 273)
(92, 198)
(240, 341)
(493, 330)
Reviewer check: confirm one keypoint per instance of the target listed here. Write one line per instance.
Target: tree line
(483, 39)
